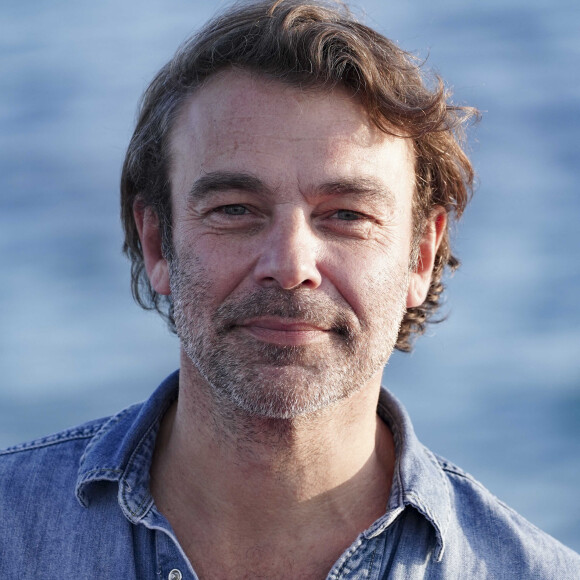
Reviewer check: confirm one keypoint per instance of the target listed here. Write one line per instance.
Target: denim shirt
(77, 505)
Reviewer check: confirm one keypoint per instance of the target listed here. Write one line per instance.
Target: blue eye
(348, 215)
(233, 209)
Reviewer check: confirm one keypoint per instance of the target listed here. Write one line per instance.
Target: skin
(292, 243)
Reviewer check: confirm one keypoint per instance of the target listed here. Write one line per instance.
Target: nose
(289, 253)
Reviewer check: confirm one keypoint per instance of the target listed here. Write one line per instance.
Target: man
(286, 198)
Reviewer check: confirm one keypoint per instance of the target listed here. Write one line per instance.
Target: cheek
(211, 263)
(373, 284)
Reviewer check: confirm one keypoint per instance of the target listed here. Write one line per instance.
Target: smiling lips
(284, 332)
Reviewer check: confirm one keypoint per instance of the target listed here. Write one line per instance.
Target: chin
(284, 392)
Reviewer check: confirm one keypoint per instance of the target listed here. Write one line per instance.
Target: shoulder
(44, 471)
(80, 432)
(57, 449)
(49, 464)
(55, 459)
(498, 538)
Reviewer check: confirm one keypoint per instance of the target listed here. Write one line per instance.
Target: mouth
(284, 332)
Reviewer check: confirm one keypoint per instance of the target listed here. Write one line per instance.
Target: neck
(251, 476)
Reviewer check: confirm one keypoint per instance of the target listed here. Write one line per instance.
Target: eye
(233, 217)
(233, 209)
(348, 215)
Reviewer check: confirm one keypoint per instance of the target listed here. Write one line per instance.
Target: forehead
(240, 121)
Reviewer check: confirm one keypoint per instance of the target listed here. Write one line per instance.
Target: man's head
(291, 244)
(311, 47)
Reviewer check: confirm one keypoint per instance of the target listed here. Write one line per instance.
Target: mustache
(298, 305)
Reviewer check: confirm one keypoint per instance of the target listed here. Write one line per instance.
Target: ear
(150, 235)
(420, 278)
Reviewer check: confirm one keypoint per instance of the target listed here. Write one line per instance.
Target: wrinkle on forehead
(239, 116)
(229, 92)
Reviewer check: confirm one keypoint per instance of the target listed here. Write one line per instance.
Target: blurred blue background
(495, 388)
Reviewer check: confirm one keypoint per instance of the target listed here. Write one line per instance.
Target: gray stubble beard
(282, 382)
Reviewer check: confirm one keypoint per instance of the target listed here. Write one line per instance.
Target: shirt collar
(418, 478)
(122, 450)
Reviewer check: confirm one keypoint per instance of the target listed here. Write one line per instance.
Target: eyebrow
(217, 181)
(358, 186)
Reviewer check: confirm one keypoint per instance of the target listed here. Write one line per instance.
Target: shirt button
(175, 574)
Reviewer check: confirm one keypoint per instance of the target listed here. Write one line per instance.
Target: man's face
(292, 237)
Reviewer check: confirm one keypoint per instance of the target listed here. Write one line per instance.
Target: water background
(495, 388)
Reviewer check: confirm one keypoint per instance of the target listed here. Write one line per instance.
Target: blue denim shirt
(77, 505)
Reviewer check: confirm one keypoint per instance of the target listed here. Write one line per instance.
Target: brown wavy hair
(311, 45)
